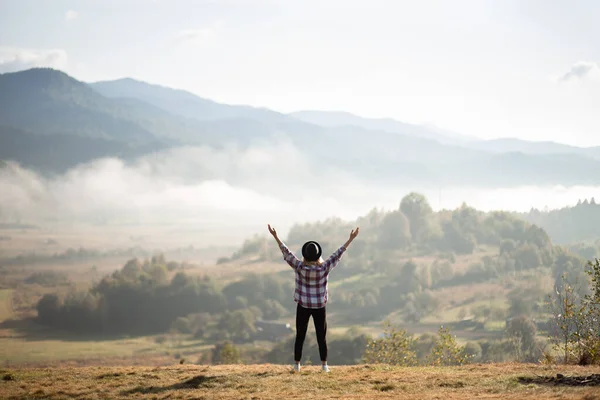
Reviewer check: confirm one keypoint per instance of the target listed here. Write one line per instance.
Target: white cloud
(16, 59)
(582, 70)
(71, 15)
(199, 36)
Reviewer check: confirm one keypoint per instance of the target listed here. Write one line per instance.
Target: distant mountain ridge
(505, 145)
(187, 104)
(181, 102)
(52, 122)
(341, 118)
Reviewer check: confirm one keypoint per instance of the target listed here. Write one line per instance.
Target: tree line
(570, 225)
(144, 297)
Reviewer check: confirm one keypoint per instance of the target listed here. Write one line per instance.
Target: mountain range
(51, 122)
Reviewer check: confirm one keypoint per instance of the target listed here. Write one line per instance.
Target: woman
(311, 291)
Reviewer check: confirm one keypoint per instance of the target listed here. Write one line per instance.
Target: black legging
(320, 320)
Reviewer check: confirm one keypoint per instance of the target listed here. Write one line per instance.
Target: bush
(225, 353)
(181, 325)
(446, 351)
(47, 278)
(396, 347)
(473, 352)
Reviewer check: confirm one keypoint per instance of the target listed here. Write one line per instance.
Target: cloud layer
(230, 194)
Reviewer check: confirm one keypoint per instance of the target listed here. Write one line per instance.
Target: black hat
(311, 251)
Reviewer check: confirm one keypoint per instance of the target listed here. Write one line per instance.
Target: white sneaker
(296, 367)
(325, 368)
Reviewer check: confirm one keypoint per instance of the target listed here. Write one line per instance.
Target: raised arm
(288, 256)
(334, 259)
(353, 235)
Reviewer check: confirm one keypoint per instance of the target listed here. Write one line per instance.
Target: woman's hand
(353, 235)
(272, 231)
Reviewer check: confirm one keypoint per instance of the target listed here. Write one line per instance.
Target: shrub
(396, 347)
(446, 351)
(225, 353)
(47, 278)
(576, 317)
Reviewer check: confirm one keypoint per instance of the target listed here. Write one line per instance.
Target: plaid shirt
(311, 279)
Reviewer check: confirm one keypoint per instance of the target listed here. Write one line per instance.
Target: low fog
(230, 193)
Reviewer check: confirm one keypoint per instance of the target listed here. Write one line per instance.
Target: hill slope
(338, 119)
(48, 101)
(490, 381)
(527, 147)
(59, 152)
(183, 103)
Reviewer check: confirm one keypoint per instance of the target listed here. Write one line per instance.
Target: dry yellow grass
(277, 382)
(6, 308)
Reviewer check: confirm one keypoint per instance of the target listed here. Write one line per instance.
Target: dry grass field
(487, 381)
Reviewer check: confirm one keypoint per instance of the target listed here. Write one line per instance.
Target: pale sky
(502, 68)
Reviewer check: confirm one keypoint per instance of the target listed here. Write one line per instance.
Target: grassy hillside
(506, 381)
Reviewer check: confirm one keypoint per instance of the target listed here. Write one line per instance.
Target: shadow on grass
(30, 329)
(197, 382)
(562, 380)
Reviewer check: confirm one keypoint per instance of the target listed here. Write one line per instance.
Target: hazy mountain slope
(52, 102)
(512, 169)
(183, 103)
(59, 152)
(504, 145)
(517, 145)
(49, 101)
(337, 119)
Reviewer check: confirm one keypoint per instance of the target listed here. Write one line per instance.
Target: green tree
(522, 331)
(394, 232)
(528, 256)
(457, 239)
(417, 210)
(237, 325)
